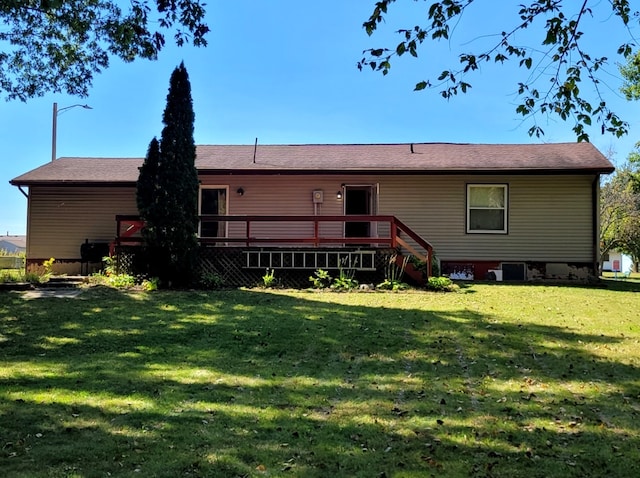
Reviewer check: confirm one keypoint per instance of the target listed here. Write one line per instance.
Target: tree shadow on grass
(248, 383)
(610, 284)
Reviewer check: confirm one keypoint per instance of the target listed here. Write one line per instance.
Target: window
(212, 202)
(487, 208)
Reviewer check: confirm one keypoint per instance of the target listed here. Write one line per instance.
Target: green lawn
(492, 381)
(633, 276)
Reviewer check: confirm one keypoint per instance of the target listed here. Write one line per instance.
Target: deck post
(316, 233)
(394, 232)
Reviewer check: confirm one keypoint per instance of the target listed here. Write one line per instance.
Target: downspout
(23, 193)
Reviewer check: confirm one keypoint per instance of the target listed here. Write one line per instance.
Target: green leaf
(443, 75)
(58, 46)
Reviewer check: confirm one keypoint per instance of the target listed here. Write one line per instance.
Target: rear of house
(510, 212)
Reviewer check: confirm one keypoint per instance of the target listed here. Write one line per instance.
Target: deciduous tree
(561, 76)
(58, 45)
(620, 214)
(631, 74)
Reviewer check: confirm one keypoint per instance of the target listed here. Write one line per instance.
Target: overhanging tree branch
(562, 97)
(58, 46)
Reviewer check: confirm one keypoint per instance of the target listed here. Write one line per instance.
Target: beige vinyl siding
(60, 219)
(556, 219)
(549, 217)
(284, 196)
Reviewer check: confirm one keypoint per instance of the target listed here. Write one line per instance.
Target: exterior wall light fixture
(240, 192)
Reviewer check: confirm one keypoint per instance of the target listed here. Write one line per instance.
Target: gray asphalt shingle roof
(341, 158)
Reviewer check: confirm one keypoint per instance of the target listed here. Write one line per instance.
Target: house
(616, 261)
(13, 244)
(504, 211)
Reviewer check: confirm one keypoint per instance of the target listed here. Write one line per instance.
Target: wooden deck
(251, 251)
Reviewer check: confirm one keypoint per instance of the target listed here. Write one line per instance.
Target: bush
(121, 281)
(33, 277)
(441, 284)
(393, 272)
(211, 280)
(344, 283)
(435, 266)
(8, 276)
(320, 279)
(269, 279)
(345, 280)
(109, 265)
(39, 274)
(151, 284)
(392, 285)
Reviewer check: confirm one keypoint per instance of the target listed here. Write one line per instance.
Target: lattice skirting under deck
(244, 267)
(239, 268)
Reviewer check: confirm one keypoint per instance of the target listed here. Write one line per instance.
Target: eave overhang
(324, 172)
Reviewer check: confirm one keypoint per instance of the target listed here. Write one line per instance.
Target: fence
(11, 262)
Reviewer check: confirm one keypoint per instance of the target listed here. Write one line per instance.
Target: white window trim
(213, 186)
(505, 188)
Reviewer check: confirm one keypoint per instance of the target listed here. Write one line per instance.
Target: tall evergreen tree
(148, 181)
(146, 198)
(170, 206)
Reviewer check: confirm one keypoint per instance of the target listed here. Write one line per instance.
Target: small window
(487, 208)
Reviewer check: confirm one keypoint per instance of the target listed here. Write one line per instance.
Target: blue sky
(285, 72)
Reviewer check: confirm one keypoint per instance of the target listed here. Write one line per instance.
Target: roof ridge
(426, 143)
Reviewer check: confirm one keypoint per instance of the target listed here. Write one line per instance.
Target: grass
(634, 276)
(493, 381)
(11, 275)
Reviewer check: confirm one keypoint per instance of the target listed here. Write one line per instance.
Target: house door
(360, 201)
(212, 201)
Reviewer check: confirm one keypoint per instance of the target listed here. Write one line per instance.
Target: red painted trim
(395, 226)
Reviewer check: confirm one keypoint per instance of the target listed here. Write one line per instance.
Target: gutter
(325, 172)
(398, 172)
(74, 183)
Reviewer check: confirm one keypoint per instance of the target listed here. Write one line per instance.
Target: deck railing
(390, 233)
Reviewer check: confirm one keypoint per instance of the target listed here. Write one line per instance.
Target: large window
(213, 202)
(487, 208)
